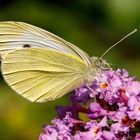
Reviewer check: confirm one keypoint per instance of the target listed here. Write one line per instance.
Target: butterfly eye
(102, 64)
(98, 62)
(26, 46)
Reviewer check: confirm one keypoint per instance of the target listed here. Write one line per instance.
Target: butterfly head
(99, 64)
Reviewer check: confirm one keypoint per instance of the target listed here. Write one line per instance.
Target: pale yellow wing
(41, 75)
(14, 35)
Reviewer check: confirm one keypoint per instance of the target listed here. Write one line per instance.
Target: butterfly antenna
(135, 30)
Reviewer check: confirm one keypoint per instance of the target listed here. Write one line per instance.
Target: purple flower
(114, 81)
(118, 115)
(108, 135)
(61, 129)
(62, 111)
(134, 108)
(133, 88)
(108, 109)
(81, 95)
(137, 136)
(119, 127)
(96, 110)
(94, 130)
(90, 125)
(45, 137)
(89, 135)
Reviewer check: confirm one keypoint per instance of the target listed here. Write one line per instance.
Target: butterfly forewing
(15, 35)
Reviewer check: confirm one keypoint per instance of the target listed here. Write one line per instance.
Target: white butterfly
(41, 66)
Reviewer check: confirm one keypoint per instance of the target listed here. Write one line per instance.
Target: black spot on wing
(26, 46)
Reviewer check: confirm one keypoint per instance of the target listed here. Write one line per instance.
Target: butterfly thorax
(98, 65)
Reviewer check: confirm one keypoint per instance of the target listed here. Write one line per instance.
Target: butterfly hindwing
(40, 75)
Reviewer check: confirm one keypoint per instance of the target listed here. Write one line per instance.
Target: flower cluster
(108, 109)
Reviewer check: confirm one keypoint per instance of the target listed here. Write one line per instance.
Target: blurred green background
(92, 25)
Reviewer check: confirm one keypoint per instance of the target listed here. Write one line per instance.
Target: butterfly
(41, 66)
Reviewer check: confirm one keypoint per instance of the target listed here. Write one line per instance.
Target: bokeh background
(92, 25)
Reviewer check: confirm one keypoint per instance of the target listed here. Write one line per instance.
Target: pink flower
(96, 111)
(134, 108)
(111, 110)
